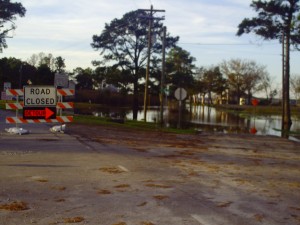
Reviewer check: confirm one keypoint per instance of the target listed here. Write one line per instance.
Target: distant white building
(104, 86)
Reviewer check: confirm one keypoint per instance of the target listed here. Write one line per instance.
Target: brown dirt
(127, 136)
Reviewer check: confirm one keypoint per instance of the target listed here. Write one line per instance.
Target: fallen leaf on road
(15, 206)
(224, 204)
(77, 219)
(112, 170)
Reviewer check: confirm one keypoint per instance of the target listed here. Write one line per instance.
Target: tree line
(40, 69)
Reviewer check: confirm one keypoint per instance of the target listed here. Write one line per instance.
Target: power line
(228, 44)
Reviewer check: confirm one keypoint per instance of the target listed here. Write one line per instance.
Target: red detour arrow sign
(39, 113)
(254, 102)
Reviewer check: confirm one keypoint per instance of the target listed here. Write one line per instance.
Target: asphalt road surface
(105, 176)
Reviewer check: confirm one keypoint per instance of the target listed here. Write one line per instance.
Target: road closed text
(39, 101)
(40, 96)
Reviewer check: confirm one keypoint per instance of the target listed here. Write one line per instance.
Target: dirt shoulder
(124, 135)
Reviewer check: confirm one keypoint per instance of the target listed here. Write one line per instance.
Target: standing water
(206, 118)
(211, 119)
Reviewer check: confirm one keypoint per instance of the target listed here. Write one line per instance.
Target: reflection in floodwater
(209, 119)
(219, 120)
(232, 122)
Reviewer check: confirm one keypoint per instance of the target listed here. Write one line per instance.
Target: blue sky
(206, 29)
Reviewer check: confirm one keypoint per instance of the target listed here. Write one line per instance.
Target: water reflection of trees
(219, 119)
(209, 118)
(204, 118)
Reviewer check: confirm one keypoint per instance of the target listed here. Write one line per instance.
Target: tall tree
(123, 43)
(44, 75)
(180, 64)
(59, 63)
(277, 19)
(213, 82)
(112, 75)
(8, 12)
(10, 71)
(84, 78)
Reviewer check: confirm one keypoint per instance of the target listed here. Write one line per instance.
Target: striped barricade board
(65, 105)
(59, 119)
(15, 92)
(14, 106)
(59, 105)
(60, 92)
(65, 92)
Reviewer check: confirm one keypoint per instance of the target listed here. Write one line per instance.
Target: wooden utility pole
(283, 85)
(162, 82)
(286, 111)
(151, 19)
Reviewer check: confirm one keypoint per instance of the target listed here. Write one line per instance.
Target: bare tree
(42, 58)
(266, 86)
(243, 77)
(295, 84)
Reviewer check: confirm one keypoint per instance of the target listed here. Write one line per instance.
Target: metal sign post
(180, 95)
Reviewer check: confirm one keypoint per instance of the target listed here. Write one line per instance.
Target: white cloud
(65, 27)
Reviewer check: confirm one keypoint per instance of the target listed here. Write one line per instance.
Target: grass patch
(2, 104)
(259, 110)
(130, 124)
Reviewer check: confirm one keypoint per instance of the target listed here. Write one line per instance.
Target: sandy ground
(109, 176)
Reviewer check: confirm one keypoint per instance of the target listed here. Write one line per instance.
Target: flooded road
(212, 119)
